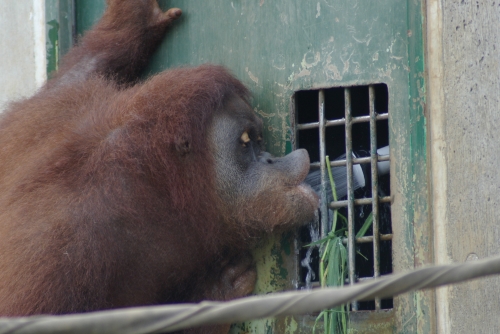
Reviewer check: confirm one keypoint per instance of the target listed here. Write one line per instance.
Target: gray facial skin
(261, 191)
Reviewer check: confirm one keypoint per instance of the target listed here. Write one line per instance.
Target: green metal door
(280, 47)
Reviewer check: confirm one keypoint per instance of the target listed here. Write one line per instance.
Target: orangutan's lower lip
(309, 193)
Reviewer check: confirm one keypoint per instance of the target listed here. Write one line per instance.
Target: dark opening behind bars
(337, 122)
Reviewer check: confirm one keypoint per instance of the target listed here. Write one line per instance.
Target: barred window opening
(350, 125)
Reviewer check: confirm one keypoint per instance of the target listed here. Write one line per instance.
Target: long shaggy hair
(96, 178)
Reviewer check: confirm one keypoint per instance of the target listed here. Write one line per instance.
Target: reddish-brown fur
(99, 154)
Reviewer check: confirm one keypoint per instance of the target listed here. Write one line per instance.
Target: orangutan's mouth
(309, 194)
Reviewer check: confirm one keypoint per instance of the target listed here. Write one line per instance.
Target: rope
(168, 318)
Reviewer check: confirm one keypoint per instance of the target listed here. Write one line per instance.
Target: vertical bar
(374, 176)
(350, 194)
(322, 161)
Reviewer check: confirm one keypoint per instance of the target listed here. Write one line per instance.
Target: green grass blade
(334, 192)
(368, 222)
(332, 267)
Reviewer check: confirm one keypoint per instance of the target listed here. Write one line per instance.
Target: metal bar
(307, 126)
(322, 154)
(350, 194)
(375, 211)
(359, 201)
(366, 279)
(337, 122)
(365, 119)
(355, 161)
(369, 238)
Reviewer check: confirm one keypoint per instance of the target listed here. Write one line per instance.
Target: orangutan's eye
(245, 139)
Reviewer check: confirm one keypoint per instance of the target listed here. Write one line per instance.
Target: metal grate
(350, 125)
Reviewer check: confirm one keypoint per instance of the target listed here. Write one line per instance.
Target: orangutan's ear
(183, 145)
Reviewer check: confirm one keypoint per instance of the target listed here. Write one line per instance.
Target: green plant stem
(322, 271)
(334, 191)
(332, 266)
(368, 222)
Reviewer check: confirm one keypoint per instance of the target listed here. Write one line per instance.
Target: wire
(168, 318)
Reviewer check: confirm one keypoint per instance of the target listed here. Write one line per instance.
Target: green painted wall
(60, 30)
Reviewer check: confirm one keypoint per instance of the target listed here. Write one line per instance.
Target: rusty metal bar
(359, 201)
(369, 238)
(367, 279)
(374, 177)
(355, 161)
(362, 119)
(322, 154)
(337, 122)
(351, 245)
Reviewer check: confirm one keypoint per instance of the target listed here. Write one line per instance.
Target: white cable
(168, 318)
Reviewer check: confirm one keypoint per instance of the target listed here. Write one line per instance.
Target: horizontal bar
(366, 279)
(341, 121)
(369, 238)
(365, 240)
(359, 201)
(317, 285)
(355, 161)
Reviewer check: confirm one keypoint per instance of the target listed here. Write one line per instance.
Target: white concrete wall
(22, 51)
(463, 60)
